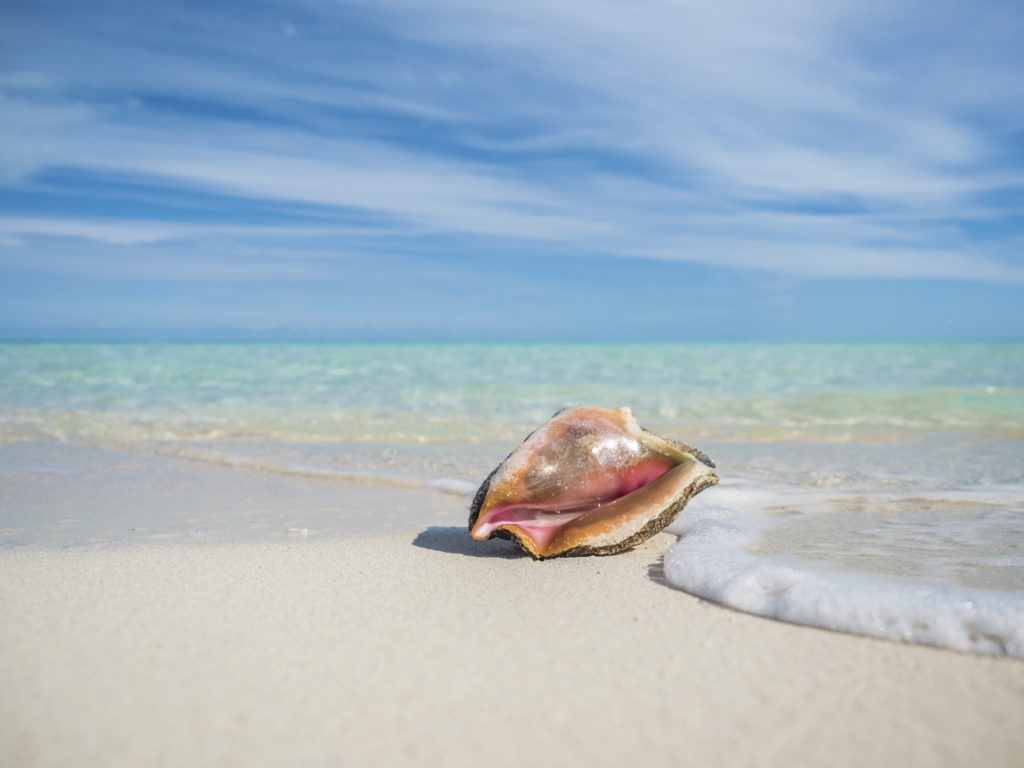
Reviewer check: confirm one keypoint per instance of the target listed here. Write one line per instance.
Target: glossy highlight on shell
(591, 481)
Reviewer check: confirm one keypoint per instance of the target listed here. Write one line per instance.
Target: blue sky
(465, 170)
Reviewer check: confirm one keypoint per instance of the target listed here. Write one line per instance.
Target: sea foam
(713, 560)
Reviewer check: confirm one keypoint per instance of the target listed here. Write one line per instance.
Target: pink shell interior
(541, 520)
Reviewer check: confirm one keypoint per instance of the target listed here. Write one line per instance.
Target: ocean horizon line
(403, 341)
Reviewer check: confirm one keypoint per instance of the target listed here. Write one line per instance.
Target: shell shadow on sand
(454, 540)
(656, 573)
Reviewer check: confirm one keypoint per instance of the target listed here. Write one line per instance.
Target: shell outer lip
(653, 526)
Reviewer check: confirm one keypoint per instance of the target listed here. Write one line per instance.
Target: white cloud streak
(780, 138)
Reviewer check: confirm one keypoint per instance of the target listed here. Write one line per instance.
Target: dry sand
(430, 649)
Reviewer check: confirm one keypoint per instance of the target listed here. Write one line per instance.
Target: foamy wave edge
(710, 561)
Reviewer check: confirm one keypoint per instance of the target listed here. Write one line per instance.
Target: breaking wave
(900, 576)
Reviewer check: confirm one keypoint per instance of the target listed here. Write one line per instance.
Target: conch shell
(589, 482)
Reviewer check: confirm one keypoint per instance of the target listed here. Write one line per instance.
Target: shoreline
(424, 646)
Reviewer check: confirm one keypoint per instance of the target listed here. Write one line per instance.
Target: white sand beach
(431, 649)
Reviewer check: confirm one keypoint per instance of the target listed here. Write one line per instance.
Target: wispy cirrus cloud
(801, 140)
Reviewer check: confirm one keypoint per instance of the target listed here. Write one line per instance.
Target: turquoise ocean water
(424, 392)
(856, 465)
